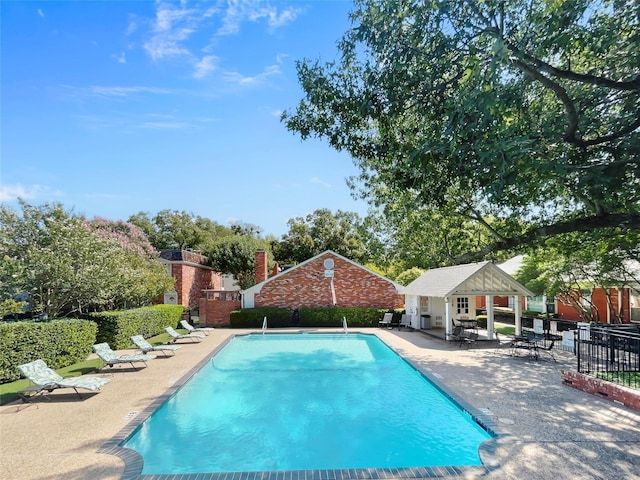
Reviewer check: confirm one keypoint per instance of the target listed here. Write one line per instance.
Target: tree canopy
(320, 231)
(521, 117)
(179, 229)
(236, 255)
(68, 265)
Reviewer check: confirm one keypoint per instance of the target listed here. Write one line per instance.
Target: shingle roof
(482, 278)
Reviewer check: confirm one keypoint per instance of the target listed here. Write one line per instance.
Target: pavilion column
(490, 319)
(448, 318)
(517, 312)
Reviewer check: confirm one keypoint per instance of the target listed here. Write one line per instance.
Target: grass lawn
(9, 391)
(502, 330)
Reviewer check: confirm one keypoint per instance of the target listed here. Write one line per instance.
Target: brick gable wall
(307, 286)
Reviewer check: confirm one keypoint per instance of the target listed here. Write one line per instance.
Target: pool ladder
(344, 325)
(264, 325)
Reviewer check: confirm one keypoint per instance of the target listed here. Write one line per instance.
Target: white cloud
(239, 79)
(172, 26)
(318, 181)
(239, 12)
(276, 113)
(41, 13)
(120, 58)
(205, 66)
(125, 91)
(9, 193)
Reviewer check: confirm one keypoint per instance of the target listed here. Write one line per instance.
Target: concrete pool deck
(553, 431)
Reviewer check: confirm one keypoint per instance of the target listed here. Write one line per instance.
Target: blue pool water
(306, 402)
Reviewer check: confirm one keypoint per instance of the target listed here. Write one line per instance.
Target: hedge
(116, 327)
(58, 342)
(310, 317)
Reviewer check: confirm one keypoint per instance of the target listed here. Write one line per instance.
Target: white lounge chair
(44, 379)
(190, 328)
(111, 358)
(145, 347)
(194, 337)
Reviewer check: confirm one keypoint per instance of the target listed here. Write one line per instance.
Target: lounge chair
(190, 328)
(111, 358)
(145, 347)
(45, 379)
(194, 337)
(386, 320)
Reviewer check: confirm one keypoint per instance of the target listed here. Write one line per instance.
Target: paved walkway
(554, 432)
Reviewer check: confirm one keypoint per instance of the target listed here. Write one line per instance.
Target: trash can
(425, 322)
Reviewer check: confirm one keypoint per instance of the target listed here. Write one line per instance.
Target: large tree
(179, 229)
(236, 255)
(320, 231)
(571, 266)
(521, 117)
(68, 265)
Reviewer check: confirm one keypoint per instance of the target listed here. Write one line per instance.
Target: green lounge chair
(145, 347)
(190, 328)
(45, 379)
(111, 358)
(194, 337)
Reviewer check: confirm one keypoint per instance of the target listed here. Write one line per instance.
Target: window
(462, 305)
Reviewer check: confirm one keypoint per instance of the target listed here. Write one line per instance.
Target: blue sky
(117, 107)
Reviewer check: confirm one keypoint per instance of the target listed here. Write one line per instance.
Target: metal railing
(611, 353)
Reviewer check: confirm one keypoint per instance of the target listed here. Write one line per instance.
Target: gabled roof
(483, 278)
(258, 286)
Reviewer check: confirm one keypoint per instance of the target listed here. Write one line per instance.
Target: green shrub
(116, 327)
(58, 342)
(310, 317)
(253, 317)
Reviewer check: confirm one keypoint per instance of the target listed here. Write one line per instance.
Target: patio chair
(190, 328)
(500, 344)
(386, 320)
(111, 358)
(194, 337)
(145, 347)
(405, 321)
(548, 350)
(458, 334)
(471, 339)
(44, 379)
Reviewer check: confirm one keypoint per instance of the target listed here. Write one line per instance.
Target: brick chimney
(262, 270)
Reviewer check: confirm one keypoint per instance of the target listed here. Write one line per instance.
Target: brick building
(328, 279)
(193, 274)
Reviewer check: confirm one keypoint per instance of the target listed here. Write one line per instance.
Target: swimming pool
(287, 402)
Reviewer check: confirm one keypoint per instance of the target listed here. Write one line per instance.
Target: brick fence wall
(214, 313)
(610, 391)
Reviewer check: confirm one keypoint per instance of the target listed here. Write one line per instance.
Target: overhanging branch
(629, 220)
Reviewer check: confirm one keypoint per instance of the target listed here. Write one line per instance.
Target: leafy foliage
(180, 230)
(571, 266)
(408, 276)
(58, 342)
(523, 113)
(320, 231)
(69, 265)
(116, 327)
(236, 255)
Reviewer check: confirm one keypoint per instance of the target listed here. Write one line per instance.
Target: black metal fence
(609, 352)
